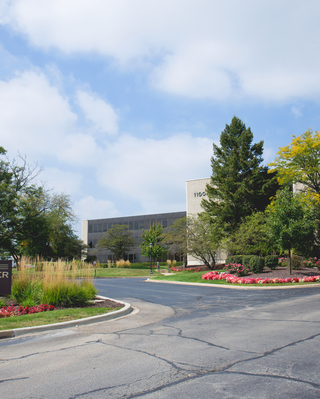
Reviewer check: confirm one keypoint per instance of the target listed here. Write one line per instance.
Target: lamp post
(150, 245)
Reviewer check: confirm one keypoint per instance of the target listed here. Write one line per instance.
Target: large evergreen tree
(239, 184)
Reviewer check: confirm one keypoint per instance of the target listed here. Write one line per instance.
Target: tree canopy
(33, 222)
(176, 238)
(204, 239)
(291, 223)
(239, 184)
(299, 162)
(118, 240)
(155, 236)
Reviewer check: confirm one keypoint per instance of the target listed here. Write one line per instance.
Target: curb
(236, 287)
(73, 323)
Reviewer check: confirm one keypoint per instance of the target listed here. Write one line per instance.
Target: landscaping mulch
(107, 303)
(283, 272)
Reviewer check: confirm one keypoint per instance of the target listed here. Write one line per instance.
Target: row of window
(133, 225)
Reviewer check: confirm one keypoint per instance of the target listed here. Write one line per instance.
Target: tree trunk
(185, 261)
(290, 261)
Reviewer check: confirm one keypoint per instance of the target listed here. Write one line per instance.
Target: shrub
(234, 259)
(271, 261)
(256, 264)
(238, 269)
(69, 294)
(246, 259)
(123, 263)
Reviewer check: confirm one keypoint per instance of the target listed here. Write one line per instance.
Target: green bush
(246, 259)
(69, 294)
(271, 261)
(234, 259)
(27, 291)
(256, 264)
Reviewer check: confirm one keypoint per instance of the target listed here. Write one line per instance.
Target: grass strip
(51, 317)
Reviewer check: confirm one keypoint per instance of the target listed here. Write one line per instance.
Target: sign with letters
(5, 277)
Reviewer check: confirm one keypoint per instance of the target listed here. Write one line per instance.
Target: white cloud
(101, 114)
(90, 208)
(34, 117)
(296, 111)
(154, 172)
(61, 181)
(265, 51)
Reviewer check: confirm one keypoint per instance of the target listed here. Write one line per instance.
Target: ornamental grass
(61, 284)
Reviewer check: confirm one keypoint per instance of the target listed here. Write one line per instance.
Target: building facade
(93, 230)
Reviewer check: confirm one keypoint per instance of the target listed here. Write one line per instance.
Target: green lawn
(51, 317)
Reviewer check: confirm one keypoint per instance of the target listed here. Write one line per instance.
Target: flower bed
(229, 278)
(20, 310)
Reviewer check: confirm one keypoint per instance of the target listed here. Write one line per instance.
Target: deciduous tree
(118, 240)
(290, 223)
(155, 236)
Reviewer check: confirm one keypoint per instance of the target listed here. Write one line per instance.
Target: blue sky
(120, 100)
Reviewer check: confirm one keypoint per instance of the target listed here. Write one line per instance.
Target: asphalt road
(185, 342)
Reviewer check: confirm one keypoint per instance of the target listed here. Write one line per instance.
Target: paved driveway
(185, 342)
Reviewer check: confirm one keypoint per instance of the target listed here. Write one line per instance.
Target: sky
(120, 101)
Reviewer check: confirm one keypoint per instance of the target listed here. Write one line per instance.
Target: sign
(200, 194)
(5, 277)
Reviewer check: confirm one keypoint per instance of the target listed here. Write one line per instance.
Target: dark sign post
(5, 277)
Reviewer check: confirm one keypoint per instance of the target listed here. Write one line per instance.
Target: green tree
(204, 239)
(21, 202)
(176, 238)
(50, 234)
(291, 223)
(155, 236)
(239, 184)
(251, 238)
(118, 240)
(299, 162)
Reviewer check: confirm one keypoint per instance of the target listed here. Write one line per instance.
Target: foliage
(290, 223)
(21, 201)
(251, 237)
(118, 240)
(239, 185)
(238, 269)
(299, 162)
(176, 238)
(20, 310)
(234, 259)
(229, 278)
(33, 222)
(54, 285)
(204, 239)
(271, 261)
(154, 236)
(256, 264)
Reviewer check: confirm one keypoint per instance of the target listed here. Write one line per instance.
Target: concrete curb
(236, 287)
(67, 324)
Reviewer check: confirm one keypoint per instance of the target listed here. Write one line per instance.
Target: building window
(90, 228)
(130, 225)
(105, 226)
(136, 225)
(100, 228)
(164, 223)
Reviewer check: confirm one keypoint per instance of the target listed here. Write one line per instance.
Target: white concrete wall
(196, 191)
(85, 231)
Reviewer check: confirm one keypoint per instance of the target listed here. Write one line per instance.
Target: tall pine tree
(239, 184)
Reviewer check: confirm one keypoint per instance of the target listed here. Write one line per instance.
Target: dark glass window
(141, 224)
(136, 225)
(90, 228)
(130, 225)
(110, 225)
(100, 228)
(95, 228)
(105, 226)
(164, 223)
